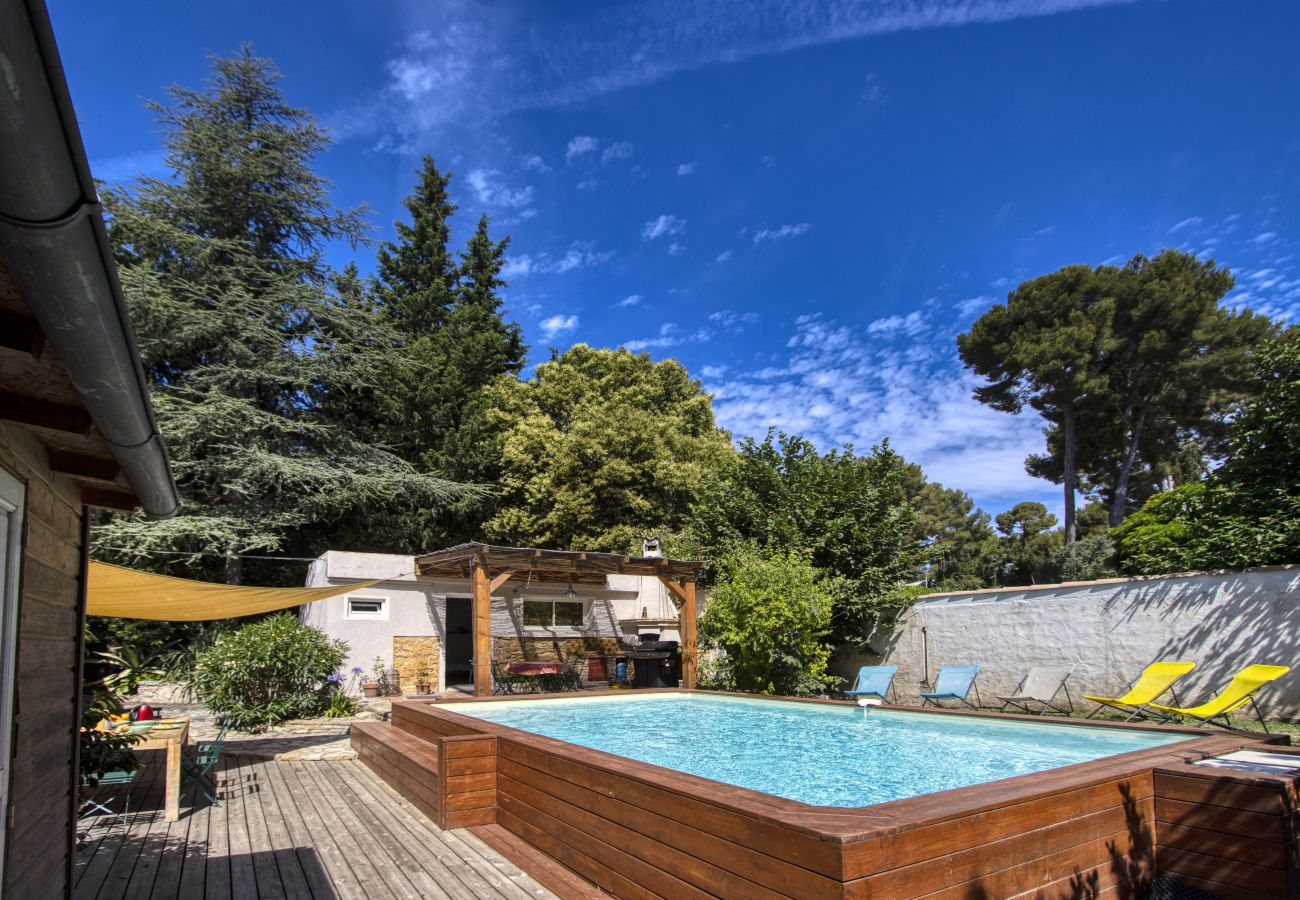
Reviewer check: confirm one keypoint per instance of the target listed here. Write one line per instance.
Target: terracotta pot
(423, 687)
(371, 689)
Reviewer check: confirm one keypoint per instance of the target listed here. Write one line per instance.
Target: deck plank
(290, 831)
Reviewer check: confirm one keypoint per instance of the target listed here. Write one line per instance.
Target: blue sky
(803, 202)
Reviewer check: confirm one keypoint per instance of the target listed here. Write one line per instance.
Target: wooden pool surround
(633, 829)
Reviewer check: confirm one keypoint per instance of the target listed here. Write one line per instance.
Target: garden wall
(1107, 629)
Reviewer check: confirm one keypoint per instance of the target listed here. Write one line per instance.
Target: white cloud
(553, 325)
(686, 168)
(535, 163)
(664, 225)
(676, 248)
(780, 234)
(911, 325)
(838, 385)
(872, 91)
(491, 190)
(971, 305)
(733, 322)
(724, 256)
(619, 150)
(630, 300)
(580, 255)
(1264, 237)
(582, 145)
(669, 336)
(451, 67)
(1189, 222)
(588, 184)
(714, 371)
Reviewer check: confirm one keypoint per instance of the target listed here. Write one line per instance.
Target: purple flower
(356, 670)
(336, 677)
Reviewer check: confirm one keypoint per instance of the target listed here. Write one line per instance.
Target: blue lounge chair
(873, 681)
(954, 683)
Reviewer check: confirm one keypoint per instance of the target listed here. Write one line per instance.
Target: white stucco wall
(417, 606)
(1109, 630)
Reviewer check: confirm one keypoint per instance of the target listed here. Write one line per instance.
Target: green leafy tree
(1247, 513)
(1042, 349)
(847, 512)
(959, 533)
(770, 612)
(1027, 543)
(247, 339)
(269, 671)
(599, 449)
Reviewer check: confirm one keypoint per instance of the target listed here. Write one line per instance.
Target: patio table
(169, 735)
(540, 675)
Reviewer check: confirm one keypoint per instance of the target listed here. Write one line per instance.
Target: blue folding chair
(954, 683)
(202, 758)
(873, 681)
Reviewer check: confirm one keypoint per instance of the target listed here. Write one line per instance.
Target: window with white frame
(367, 608)
(555, 613)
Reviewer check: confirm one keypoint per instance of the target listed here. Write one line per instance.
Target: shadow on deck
(286, 830)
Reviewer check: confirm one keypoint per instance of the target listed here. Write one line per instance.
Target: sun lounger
(954, 683)
(1231, 696)
(873, 681)
(1041, 686)
(1155, 681)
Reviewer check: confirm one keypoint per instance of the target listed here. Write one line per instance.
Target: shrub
(268, 671)
(770, 612)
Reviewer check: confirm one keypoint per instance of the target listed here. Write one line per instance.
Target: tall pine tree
(249, 341)
(448, 308)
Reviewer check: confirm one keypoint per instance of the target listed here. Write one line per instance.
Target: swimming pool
(822, 755)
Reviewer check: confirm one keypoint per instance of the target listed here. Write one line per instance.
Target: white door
(12, 495)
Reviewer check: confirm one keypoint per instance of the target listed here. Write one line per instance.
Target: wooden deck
(287, 830)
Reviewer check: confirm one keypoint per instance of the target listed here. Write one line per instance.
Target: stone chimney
(650, 547)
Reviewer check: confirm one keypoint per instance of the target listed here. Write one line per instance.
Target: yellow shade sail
(128, 594)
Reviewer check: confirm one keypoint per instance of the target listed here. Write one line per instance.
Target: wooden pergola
(488, 567)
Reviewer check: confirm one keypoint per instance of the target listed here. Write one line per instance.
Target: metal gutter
(53, 239)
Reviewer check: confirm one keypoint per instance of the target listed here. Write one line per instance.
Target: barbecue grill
(657, 663)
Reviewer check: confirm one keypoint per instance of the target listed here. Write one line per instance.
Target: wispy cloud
(669, 336)
(731, 321)
(686, 168)
(872, 91)
(450, 68)
(676, 248)
(911, 325)
(491, 190)
(580, 255)
(582, 145)
(780, 234)
(1189, 222)
(618, 150)
(630, 300)
(724, 256)
(129, 166)
(665, 225)
(535, 163)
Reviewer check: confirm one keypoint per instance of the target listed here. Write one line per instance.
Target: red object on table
(534, 668)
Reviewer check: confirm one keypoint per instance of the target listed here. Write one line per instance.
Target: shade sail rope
(127, 594)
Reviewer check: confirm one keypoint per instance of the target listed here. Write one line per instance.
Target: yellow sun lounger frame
(1155, 681)
(1231, 696)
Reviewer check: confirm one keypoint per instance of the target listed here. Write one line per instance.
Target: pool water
(822, 755)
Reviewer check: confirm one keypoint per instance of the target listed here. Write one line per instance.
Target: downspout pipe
(53, 240)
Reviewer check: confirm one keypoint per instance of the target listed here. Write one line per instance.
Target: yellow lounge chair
(1155, 681)
(1230, 697)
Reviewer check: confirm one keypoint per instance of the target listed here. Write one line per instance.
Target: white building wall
(416, 606)
(1109, 630)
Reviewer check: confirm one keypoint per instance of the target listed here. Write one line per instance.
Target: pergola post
(482, 612)
(686, 627)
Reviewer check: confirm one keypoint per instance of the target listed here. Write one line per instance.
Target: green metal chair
(93, 805)
(201, 758)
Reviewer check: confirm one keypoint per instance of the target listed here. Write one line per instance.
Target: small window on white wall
(367, 608)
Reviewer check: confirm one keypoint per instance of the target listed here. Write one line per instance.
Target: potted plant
(422, 683)
(374, 686)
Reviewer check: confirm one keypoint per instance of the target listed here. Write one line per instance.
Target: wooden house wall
(41, 836)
